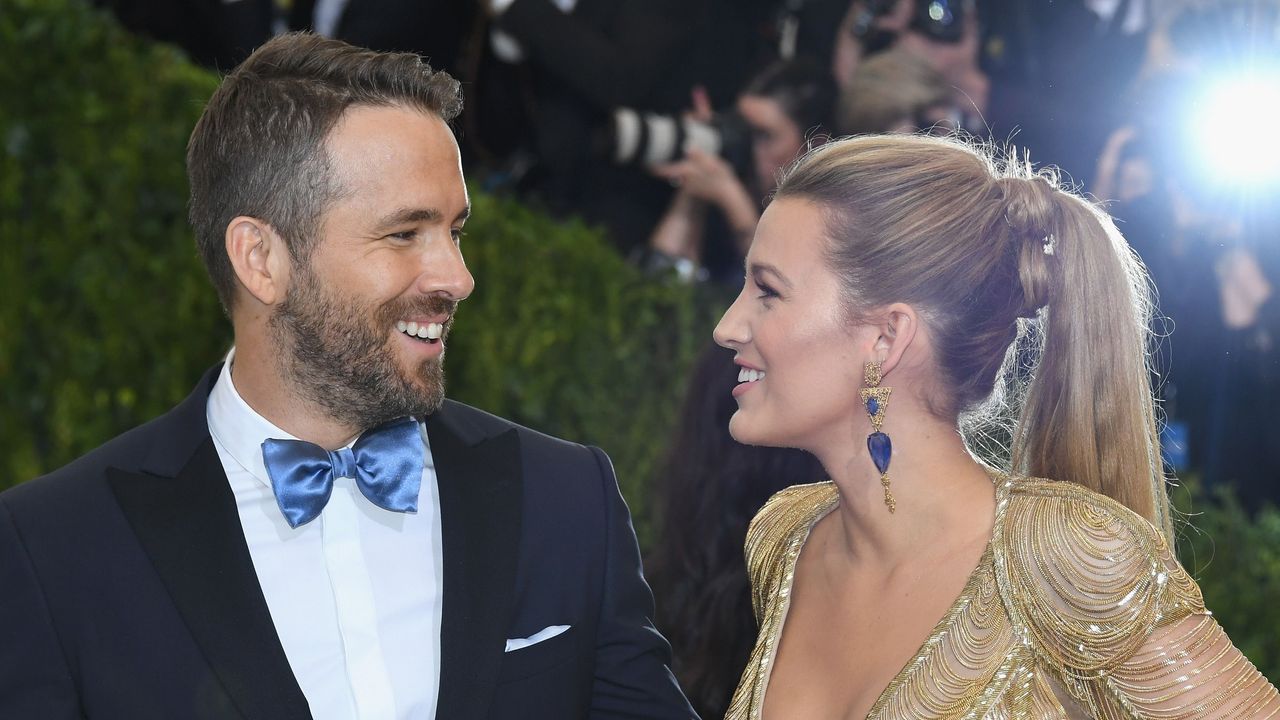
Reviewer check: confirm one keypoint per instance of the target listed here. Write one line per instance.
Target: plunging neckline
(971, 584)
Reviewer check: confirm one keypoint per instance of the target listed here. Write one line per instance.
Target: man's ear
(260, 258)
(898, 328)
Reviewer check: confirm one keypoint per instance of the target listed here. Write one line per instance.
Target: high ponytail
(1015, 277)
(1088, 414)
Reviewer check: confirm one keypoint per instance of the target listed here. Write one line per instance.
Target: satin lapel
(480, 500)
(187, 524)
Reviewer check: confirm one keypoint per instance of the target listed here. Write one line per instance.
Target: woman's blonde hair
(1021, 283)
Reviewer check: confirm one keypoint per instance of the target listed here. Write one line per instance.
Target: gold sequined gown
(1077, 609)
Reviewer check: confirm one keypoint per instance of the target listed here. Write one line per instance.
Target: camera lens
(650, 139)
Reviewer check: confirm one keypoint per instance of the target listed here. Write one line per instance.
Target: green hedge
(106, 318)
(1236, 560)
(565, 337)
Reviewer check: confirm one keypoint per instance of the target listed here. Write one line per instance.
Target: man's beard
(338, 353)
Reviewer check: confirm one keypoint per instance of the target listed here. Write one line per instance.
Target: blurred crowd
(666, 122)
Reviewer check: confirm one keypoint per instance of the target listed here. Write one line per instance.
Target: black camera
(641, 139)
(940, 20)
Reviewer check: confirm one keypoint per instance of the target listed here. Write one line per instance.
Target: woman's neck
(943, 495)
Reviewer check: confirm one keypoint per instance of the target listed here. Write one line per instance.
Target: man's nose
(446, 273)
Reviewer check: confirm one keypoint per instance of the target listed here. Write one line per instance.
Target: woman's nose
(731, 332)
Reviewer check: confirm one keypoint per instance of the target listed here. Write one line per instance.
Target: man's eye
(457, 234)
(404, 235)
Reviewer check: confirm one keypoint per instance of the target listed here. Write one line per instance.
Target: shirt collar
(239, 428)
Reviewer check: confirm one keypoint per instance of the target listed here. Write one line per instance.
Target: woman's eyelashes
(765, 291)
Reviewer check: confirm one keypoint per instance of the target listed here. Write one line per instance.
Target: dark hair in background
(707, 491)
(803, 88)
(258, 149)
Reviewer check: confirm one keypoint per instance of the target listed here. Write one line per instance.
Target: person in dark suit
(217, 34)
(316, 531)
(438, 30)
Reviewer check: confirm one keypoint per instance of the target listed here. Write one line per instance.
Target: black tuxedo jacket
(127, 590)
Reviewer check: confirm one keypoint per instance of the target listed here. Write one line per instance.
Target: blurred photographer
(942, 34)
(584, 60)
(709, 224)
(1061, 73)
(1197, 194)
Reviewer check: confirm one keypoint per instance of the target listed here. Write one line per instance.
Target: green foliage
(1236, 560)
(565, 337)
(105, 317)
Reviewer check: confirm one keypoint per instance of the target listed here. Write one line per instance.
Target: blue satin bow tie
(385, 462)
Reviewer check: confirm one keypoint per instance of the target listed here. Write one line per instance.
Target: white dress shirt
(355, 594)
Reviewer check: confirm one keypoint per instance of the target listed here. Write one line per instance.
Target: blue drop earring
(876, 400)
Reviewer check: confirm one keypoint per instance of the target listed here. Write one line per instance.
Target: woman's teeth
(749, 375)
(425, 331)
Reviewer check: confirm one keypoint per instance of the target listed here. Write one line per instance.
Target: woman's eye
(766, 292)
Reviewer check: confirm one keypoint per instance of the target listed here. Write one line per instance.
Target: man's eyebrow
(757, 269)
(407, 216)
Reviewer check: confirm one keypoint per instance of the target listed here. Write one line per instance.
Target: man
(316, 531)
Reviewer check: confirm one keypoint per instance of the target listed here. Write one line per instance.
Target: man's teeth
(749, 375)
(425, 331)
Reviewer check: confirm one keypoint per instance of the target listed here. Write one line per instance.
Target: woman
(886, 287)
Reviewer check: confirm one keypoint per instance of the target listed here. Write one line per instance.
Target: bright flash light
(1238, 129)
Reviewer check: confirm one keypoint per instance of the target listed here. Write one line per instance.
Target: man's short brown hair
(258, 149)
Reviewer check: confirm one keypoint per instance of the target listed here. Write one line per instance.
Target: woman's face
(801, 359)
(775, 139)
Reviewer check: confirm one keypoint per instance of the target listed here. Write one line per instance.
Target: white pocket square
(543, 634)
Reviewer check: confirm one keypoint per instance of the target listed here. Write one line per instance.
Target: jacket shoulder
(474, 424)
(127, 451)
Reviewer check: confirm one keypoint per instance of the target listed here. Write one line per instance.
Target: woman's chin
(741, 429)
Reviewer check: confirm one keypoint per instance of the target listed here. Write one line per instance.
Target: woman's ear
(898, 328)
(260, 259)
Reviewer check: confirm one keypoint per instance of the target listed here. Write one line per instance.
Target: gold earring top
(871, 373)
